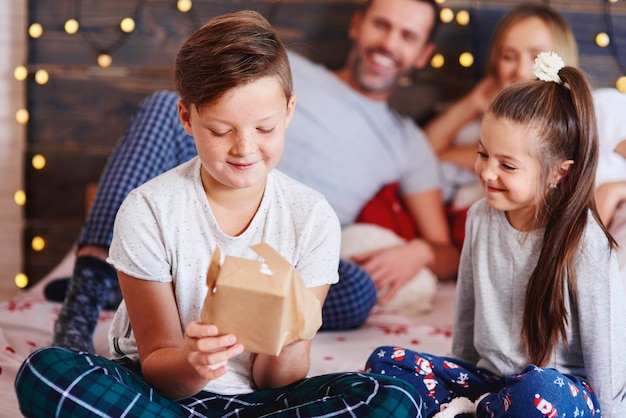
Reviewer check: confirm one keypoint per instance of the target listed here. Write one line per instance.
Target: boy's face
(240, 137)
(508, 170)
(390, 39)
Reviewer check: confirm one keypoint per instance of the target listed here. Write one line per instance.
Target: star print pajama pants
(534, 392)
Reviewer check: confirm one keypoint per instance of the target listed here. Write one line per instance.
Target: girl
(540, 323)
(235, 84)
(525, 31)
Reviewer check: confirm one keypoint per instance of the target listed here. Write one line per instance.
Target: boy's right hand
(207, 351)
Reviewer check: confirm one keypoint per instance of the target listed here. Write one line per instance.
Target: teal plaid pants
(55, 381)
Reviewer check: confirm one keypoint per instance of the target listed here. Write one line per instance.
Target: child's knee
(541, 392)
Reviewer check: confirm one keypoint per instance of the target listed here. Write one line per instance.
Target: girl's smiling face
(508, 170)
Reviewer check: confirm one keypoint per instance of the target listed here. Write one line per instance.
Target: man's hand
(391, 268)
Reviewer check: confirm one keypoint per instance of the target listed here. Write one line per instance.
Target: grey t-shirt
(347, 146)
(496, 263)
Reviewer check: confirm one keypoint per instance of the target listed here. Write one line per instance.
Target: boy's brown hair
(229, 51)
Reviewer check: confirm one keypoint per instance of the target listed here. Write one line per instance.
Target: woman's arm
(608, 198)
(442, 129)
(177, 365)
(293, 362)
(428, 213)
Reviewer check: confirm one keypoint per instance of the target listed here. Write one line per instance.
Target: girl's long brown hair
(562, 119)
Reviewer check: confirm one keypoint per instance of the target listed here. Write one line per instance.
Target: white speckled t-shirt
(165, 231)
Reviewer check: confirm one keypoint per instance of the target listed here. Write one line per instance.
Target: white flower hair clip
(547, 67)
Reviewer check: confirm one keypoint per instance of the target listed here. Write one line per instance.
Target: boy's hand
(207, 351)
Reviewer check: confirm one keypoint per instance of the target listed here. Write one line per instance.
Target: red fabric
(456, 221)
(387, 210)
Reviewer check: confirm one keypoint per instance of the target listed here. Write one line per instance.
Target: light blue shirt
(348, 147)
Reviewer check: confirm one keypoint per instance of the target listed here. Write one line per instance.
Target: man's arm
(391, 268)
(428, 213)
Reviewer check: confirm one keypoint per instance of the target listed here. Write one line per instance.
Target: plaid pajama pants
(533, 393)
(55, 381)
(155, 142)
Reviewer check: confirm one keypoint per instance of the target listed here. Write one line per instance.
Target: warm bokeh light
(440, 1)
(463, 17)
(602, 39)
(620, 84)
(38, 243)
(105, 60)
(71, 26)
(22, 116)
(446, 15)
(184, 5)
(21, 280)
(20, 73)
(19, 197)
(38, 161)
(466, 59)
(41, 77)
(35, 30)
(437, 61)
(127, 25)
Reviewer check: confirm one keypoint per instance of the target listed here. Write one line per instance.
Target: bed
(26, 323)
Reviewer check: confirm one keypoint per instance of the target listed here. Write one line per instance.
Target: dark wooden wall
(78, 115)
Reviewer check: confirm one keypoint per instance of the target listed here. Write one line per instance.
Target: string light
(466, 59)
(463, 17)
(22, 116)
(41, 77)
(35, 30)
(20, 73)
(620, 83)
(184, 5)
(38, 243)
(437, 61)
(38, 162)
(602, 39)
(21, 280)
(19, 198)
(127, 25)
(104, 60)
(446, 15)
(71, 26)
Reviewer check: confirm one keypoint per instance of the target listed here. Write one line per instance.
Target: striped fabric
(153, 143)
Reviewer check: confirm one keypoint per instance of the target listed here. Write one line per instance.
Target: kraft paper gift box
(264, 311)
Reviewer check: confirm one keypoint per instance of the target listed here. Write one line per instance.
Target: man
(344, 141)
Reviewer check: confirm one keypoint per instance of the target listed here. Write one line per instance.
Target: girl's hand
(207, 351)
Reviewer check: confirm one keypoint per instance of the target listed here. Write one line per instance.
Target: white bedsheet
(26, 323)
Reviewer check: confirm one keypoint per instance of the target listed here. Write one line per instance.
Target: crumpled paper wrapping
(264, 311)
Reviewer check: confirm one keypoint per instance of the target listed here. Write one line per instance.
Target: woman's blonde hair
(564, 41)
